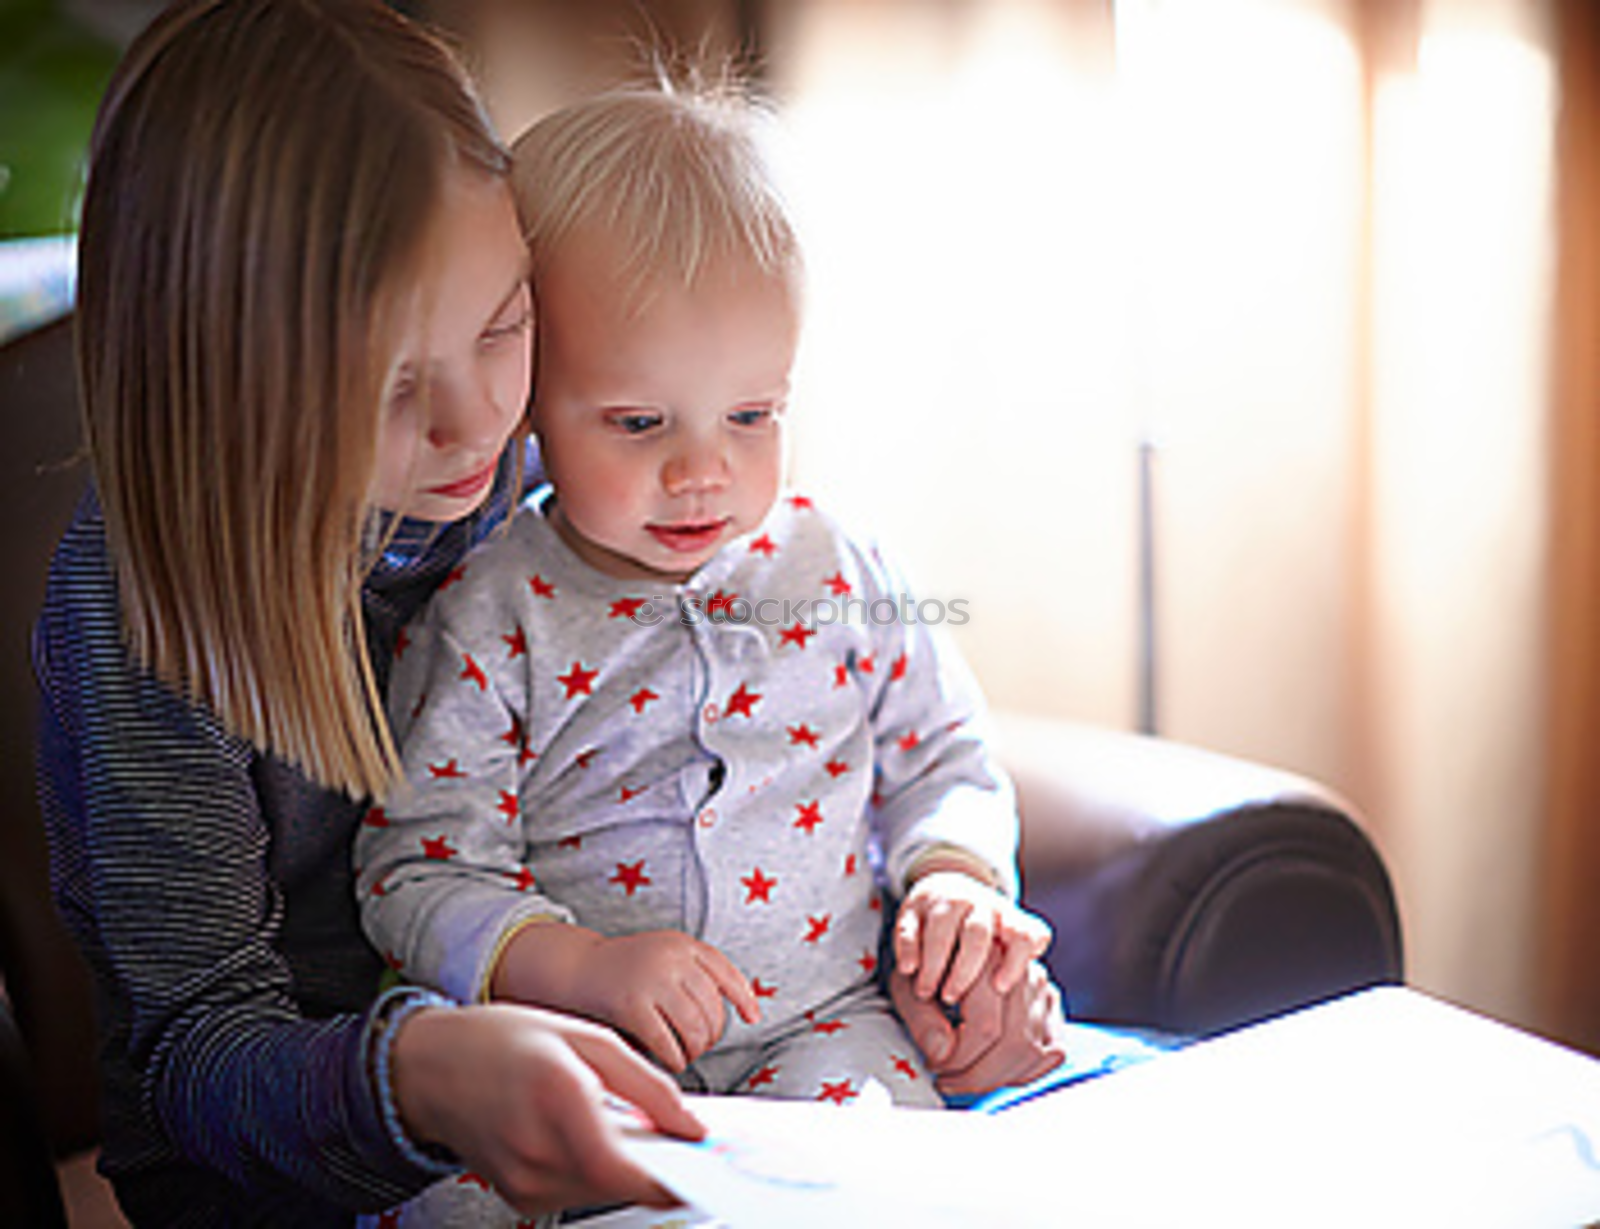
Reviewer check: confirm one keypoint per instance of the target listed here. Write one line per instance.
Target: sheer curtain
(1304, 249)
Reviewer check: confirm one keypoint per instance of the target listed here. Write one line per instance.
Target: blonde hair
(677, 178)
(264, 181)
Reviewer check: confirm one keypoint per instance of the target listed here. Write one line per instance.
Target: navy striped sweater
(210, 887)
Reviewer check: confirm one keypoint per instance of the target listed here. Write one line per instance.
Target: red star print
(393, 961)
(626, 607)
(381, 888)
(897, 670)
(516, 737)
(578, 681)
(839, 1093)
(471, 1179)
(402, 642)
(764, 546)
(456, 574)
(541, 587)
(628, 795)
(816, 927)
(759, 886)
(642, 697)
(838, 586)
(450, 770)
(864, 665)
(761, 990)
(509, 806)
(796, 635)
(908, 740)
(523, 880)
(810, 816)
(473, 673)
(742, 702)
(904, 1066)
(800, 503)
(717, 604)
(841, 674)
(570, 842)
(829, 1027)
(802, 734)
(630, 876)
(761, 1078)
(849, 865)
(437, 848)
(516, 643)
(585, 758)
(836, 768)
(868, 963)
(389, 1218)
(422, 703)
(376, 817)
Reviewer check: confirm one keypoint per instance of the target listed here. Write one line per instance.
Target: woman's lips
(688, 537)
(468, 486)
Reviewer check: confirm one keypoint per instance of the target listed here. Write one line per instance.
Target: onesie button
(707, 816)
(710, 712)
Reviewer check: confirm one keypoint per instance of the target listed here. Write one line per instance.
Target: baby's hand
(947, 926)
(665, 990)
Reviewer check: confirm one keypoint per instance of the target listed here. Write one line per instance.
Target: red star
(642, 697)
(841, 674)
(630, 876)
(516, 737)
(717, 604)
(393, 961)
(471, 1179)
(840, 1093)
(810, 816)
(376, 817)
(523, 880)
(796, 635)
(742, 702)
(897, 670)
(802, 734)
(800, 503)
(849, 865)
(456, 574)
(450, 770)
(578, 681)
(437, 848)
(829, 1027)
(836, 768)
(509, 806)
(904, 1066)
(864, 665)
(628, 795)
(761, 990)
(516, 643)
(541, 587)
(817, 927)
(760, 887)
(402, 642)
(585, 758)
(389, 1218)
(381, 888)
(570, 842)
(763, 1077)
(626, 607)
(473, 673)
(764, 546)
(908, 740)
(838, 586)
(868, 963)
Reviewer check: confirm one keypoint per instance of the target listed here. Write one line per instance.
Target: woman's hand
(519, 1095)
(1002, 1038)
(951, 927)
(662, 988)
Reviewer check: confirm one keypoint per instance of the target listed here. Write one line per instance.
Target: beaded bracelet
(394, 1009)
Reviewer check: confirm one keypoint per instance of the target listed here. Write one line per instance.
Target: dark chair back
(47, 1050)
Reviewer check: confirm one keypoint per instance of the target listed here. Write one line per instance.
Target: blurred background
(1235, 360)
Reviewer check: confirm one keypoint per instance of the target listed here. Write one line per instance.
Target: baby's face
(661, 421)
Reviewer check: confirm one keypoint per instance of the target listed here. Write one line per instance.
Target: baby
(666, 752)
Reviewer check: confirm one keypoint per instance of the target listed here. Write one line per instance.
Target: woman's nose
(696, 467)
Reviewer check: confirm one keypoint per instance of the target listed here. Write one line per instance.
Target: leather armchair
(1190, 892)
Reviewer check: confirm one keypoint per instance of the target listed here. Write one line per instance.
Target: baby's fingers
(731, 984)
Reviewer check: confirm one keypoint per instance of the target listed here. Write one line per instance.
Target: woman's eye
(402, 392)
(514, 327)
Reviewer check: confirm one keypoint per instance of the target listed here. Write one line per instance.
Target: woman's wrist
(393, 1062)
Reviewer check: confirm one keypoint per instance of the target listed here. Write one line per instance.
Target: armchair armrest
(1192, 891)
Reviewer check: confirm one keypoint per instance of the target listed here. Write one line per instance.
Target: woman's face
(460, 379)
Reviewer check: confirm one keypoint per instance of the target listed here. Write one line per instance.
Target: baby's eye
(751, 415)
(634, 422)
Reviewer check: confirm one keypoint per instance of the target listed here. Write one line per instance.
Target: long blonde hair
(264, 175)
